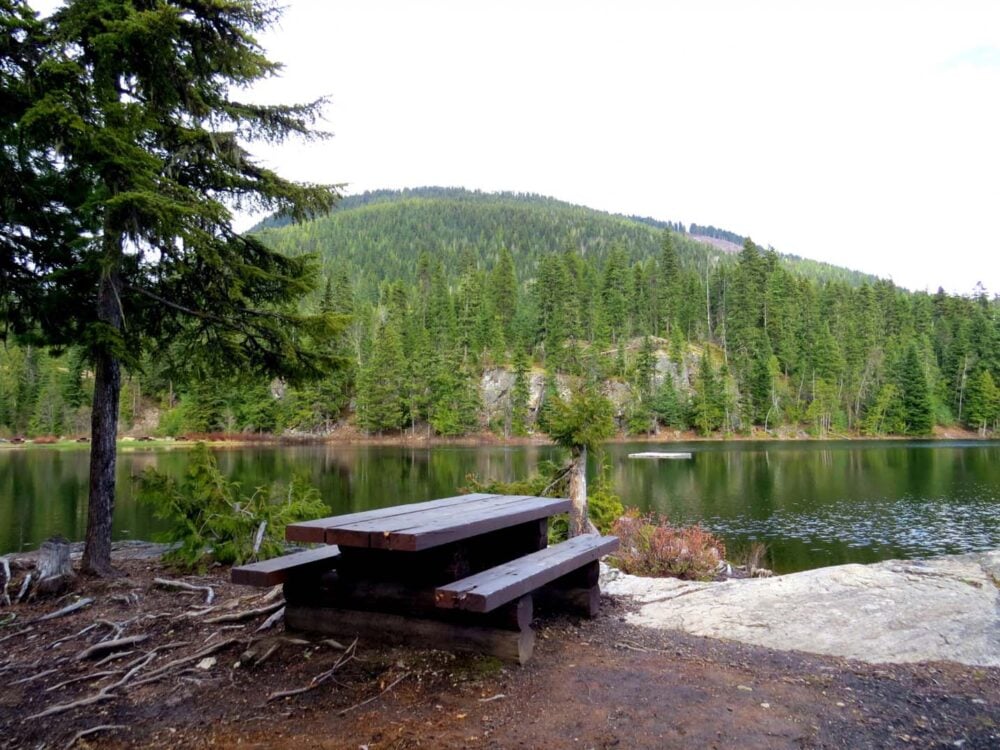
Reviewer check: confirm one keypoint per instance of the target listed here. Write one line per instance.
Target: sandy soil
(591, 684)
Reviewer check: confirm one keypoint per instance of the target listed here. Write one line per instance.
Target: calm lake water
(812, 503)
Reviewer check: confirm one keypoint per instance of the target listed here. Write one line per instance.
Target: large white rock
(946, 608)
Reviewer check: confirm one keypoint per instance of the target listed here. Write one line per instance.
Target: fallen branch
(70, 609)
(319, 679)
(99, 649)
(387, 688)
(166, 583)
(245, 615)
(93, 730)
(492, 698)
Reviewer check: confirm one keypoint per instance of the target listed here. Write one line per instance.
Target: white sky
(866, 134)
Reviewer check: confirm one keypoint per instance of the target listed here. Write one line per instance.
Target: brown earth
(591, 684)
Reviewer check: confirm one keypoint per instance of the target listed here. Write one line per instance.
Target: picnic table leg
(578, 592)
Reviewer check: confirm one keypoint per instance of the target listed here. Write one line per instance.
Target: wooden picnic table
(459, 573)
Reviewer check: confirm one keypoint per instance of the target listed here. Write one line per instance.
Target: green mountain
(379, 235)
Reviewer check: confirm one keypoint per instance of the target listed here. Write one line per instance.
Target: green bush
(208, 514)
(650, 546)
(604, 507)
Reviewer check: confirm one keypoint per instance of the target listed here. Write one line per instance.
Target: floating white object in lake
(659, 455)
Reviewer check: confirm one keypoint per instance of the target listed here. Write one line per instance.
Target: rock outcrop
(947, 608)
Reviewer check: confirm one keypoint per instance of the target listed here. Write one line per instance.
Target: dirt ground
(590, 684)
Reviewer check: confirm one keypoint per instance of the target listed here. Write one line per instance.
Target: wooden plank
(381, 628)
(314, 531)
(336, 591)
(376, 530)
(491, 588)
(276, 570)
(472, 524)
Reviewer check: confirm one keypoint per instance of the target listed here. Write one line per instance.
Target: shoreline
(351, 436)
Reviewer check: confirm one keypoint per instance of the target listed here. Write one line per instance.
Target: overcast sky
(866, 134)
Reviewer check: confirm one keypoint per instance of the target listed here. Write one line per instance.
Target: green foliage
(209, 515)
(585, 420)
(604, 507)
(651, 546)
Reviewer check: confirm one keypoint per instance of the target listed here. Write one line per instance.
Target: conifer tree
(708, 404)
(917, 410)
(984, 401)
(137, 96)
(520, 394)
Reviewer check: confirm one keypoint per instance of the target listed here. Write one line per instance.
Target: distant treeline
(436, 289)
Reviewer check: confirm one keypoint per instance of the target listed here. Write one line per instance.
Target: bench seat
(485, 591)
(274, 571)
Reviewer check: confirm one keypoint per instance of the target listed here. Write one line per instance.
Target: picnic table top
(420, 526)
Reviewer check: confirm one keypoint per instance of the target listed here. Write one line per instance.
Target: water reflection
(813, 503)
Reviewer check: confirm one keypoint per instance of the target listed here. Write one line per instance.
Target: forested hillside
(445, 291)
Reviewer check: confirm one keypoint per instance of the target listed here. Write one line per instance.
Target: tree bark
(104, 423)
(578, 492)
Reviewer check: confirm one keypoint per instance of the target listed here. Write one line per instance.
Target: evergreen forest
(466, 311)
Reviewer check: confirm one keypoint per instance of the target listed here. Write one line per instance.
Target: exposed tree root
(93, 730)
(319, 679)
(385, 690)
(99, 649)
(70, 609)
(245, 615)
(167, 583)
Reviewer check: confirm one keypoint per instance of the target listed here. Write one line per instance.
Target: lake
(812, 503)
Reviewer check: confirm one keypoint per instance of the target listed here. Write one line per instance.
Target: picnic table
(459, 573)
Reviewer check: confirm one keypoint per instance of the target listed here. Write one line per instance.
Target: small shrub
(650, 546)
(604, 507)
(207, 512)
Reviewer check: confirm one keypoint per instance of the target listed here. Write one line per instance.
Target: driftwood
(166, 583)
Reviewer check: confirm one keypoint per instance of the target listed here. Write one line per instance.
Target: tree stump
(55, 571)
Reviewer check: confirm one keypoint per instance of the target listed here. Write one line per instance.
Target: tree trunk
(578, 492)
(104, 424)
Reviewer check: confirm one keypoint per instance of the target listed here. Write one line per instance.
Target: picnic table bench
(460, 573)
